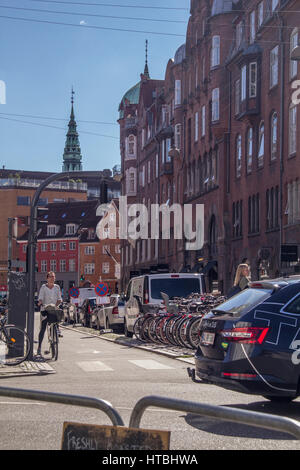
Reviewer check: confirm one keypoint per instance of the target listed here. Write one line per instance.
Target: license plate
(207, 339)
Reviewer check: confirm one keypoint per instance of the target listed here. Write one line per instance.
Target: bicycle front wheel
(54, 342)
(14, 346)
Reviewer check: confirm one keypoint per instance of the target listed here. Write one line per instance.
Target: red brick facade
(227, 105)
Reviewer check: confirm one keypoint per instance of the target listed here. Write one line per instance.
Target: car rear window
(243, 302)
(92, 302)
(174, 287)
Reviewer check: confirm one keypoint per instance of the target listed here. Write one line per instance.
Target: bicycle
(54, 316)
(14, 342)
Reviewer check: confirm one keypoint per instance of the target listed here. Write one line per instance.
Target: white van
(148, 289)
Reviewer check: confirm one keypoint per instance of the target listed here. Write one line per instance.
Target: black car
(250, 342)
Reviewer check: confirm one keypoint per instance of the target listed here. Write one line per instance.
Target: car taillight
(115, 311)
(245, 335)
(89, 309)
(146, 298)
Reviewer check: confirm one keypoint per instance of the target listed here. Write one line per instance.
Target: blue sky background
(40, 62)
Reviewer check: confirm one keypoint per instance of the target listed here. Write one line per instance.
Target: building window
(244, 83)
(23, 200)
(130, 146)
(238, 156)
(44, 246)
(239, 34)
(203, 121)
(237, 96)
(63, 246)
(274, 67)
(177, 137)
(53, 265)
(215, 51)
(252, 80)
(24, 248)
(44, 265)
(196, 126)
(253, 214)
(72, 246)
(89, 250)
(274, 125)
(117, 249)
(105, 268)
(89, 268)
(215, 104)
(293, 44)
(237, 219)
(53, 246)
(249, 149)
(293, 130)
(272, 204)
(252, 26)
(62, 265)
(51, 230)
(260, 10)
(177, 92)
(105, 249)
(72, 265)
(70, 229)
(274, 4)
(261, 144)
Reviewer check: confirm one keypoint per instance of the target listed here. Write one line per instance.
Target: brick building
(219, 130)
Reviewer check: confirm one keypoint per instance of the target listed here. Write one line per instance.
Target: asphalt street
(90, 365)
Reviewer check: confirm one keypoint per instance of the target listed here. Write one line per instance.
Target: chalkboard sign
(77, 436)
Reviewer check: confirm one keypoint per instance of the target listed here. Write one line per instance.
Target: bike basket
(55, 316)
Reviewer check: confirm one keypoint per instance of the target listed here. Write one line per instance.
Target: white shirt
(49, 296)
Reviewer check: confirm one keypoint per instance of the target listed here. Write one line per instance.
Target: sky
(40, 62)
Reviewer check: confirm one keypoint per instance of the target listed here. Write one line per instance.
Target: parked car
(148, 289)
(111, 316)
(86, 311)
(249, 343)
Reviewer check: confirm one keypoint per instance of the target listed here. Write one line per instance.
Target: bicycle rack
(64, 399)
(253, 418)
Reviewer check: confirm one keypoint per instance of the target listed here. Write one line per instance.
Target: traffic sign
(101, 289)
(74, 292)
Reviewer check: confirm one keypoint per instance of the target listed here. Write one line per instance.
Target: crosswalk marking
(93, 366)
(150, 364)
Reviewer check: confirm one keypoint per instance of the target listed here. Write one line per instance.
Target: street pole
(32, 241)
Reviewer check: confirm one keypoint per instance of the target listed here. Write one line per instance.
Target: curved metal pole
(76, 400)
(32, 240)
(252, 418)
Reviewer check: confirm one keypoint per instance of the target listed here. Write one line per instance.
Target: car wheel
(279, 399)
(127, 333)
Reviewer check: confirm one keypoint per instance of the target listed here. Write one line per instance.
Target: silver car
(111, 316)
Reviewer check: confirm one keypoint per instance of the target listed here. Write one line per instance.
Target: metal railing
(250, 418)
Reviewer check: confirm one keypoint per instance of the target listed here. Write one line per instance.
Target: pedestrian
(50, 293)
(241, 280)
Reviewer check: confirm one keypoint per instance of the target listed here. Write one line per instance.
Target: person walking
(50, 293)
(241, 280)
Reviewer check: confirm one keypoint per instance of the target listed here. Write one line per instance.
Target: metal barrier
(252, 418)
(76, 400)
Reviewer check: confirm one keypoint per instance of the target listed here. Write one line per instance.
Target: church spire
(72, 152)
(146, 69)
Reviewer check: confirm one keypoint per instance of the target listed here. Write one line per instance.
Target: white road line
(150, 364)
(93, 366)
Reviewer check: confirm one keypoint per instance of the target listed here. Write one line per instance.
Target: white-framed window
(44, 265)
(293, 44)
(53, 246)
(238, 155)
(274, 66)
(156, 165)
(252, 79)
(70, 229)
(168, 148)
(89, 268)
(249, 149)
(117, 271)
(118, 249)
(105, 268)
(72, 246)
(244, 83)
(177, 136)
(51, 230)
(131, 181)
(163, 151)
(89, 250)
(165, 115)
(53, 266)
(203, 120)
(196, 126)
(62, 265)
(130, 145)
(72, 265)
(44, 246)
(215, 51)
(24, 248)
(177, 92)
(105, 249)
(239, 34)
(62, 246)
(252, 26)
(237, 93)
(215, 104)
(293, 129)
(261, 144)
(260, 14)
(274, 135)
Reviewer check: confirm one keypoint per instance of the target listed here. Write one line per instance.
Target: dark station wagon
(251, 342)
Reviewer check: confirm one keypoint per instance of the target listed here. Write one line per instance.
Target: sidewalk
(26, 368)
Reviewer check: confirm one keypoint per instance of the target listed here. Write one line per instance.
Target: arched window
(249, 149)
(261, 144)
(131, 146)
(238, 155)
(274, 135)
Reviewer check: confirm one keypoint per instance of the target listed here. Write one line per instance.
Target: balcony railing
(33, 183)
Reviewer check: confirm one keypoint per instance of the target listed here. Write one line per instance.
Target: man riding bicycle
(50, 293)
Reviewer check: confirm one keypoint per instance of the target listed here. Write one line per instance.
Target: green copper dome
(132, 96)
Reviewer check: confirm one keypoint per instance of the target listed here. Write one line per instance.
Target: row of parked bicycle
(179, 324)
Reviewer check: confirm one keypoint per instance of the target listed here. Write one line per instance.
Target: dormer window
(51, 230)
(70, 229)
